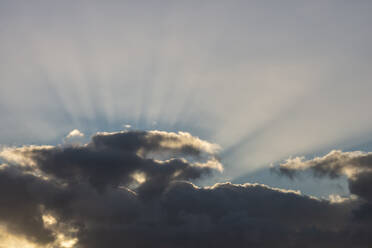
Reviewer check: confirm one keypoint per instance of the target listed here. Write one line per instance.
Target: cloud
(74, 133)
(134, 189)
(356, 166)
(334, 164)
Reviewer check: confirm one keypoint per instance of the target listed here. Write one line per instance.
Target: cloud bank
(135, 189)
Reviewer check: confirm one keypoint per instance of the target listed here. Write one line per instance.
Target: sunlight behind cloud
(254, 80)
(8, 240)
(75, 133)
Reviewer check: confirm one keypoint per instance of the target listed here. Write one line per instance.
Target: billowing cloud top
(356, 166)
(134, 189)
(75, 133)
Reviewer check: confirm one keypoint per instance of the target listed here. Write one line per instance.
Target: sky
(246, 100)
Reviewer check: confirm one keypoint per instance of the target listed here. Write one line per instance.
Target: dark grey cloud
(355, 166)
(135, 189)
(20, 204)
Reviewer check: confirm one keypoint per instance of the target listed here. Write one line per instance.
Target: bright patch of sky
(263, 80)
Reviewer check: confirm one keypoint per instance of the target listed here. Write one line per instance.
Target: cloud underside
(134, 189)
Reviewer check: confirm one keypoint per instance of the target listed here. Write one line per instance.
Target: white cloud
(74, 133)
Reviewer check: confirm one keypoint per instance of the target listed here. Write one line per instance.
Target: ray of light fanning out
(265, 81)
(158, 123)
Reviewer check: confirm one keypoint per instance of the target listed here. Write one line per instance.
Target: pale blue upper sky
(264, 79)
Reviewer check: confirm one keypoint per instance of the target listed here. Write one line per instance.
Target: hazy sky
(265, 80)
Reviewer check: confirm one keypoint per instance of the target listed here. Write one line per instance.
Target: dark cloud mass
(134, 189)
